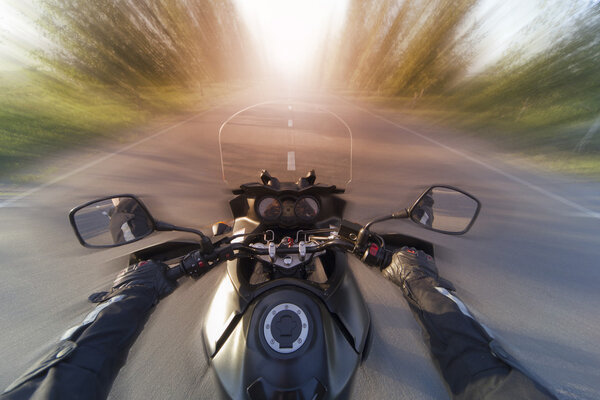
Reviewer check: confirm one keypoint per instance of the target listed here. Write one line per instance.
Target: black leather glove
(410, 264)
(146, 274)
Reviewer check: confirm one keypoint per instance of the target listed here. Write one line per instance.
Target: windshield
(287, 139)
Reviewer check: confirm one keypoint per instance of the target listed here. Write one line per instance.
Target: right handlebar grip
(375, 256)
(175, 273)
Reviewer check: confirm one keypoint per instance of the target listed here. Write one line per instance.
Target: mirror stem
(363, 235)
(205, 243)
(400, 214)
(397, 215)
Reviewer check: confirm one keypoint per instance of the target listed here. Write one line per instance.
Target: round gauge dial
(306, 208)
(269, 208)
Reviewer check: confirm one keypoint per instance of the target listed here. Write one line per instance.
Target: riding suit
(471, 361)
(87, 359)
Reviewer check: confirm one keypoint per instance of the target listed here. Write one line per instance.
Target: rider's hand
(410, 264)
(146, 274)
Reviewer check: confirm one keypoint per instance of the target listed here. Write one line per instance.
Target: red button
(373, 249)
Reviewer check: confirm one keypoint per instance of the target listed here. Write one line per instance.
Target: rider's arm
(472, 363)
(88, 357)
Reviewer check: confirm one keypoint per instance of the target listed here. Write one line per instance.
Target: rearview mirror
(111, 221)
(445, 209)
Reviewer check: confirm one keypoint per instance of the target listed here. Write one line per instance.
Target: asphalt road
(528, 269)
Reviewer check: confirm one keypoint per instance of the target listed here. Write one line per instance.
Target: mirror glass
(445, 210)
(112, 222)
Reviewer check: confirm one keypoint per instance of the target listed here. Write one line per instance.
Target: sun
(289, 33)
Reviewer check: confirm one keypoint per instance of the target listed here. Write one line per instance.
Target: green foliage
(414, 55)
(553, 90)
(126, 43)
(566, 71)
(406, 47)
(115, 64)
(40, 115)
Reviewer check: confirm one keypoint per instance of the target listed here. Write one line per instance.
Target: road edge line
(90, 164)
(507, 175)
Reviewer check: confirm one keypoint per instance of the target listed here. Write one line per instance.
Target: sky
(289, 32)
(17, 32)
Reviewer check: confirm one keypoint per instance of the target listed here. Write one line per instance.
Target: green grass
(547, 134)
(40, 116)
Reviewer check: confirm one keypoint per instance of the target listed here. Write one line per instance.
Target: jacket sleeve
(84, 364)
(472, 363)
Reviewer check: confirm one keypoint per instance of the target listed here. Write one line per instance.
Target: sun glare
(290, 33)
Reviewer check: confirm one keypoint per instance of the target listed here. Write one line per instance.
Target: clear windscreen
(288, 140)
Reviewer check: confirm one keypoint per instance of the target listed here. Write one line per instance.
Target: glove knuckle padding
(409, 264)
(150, 274)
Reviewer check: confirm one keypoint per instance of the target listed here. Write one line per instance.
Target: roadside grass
(546, 134)
(40, 116)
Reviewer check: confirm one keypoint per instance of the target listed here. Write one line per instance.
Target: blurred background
(499, 98)
(521, 73)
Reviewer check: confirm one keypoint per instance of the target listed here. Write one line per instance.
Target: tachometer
(306, 208)
(269, 208)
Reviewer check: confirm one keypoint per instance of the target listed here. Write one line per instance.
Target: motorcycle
(287, 320)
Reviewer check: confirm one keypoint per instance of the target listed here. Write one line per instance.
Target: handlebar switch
(195, 264)
(374, 255)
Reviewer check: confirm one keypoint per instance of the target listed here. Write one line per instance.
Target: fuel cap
(285, 328)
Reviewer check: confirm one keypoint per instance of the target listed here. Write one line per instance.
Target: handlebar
(227, 253)
(175, 273)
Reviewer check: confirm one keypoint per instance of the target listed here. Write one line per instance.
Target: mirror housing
(445, 209)
(111, 221)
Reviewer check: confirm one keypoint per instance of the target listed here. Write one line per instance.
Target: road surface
(528, 268)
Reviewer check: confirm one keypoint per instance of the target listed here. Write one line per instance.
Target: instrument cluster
(287, 209)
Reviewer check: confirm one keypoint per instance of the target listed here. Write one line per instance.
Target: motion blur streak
(522, 73)
(510, 84)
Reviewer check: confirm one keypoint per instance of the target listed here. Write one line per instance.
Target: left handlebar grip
(175, 273)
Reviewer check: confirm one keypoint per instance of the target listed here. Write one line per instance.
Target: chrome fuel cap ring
(285, 328)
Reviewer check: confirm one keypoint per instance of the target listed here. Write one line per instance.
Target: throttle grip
(174, 273)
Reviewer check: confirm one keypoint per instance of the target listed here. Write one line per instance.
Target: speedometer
(269, 208)
(306, 208)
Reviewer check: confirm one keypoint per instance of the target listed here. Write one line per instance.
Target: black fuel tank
(287, 338)
(286, 345)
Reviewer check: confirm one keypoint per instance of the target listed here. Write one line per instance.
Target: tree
(129, 43)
